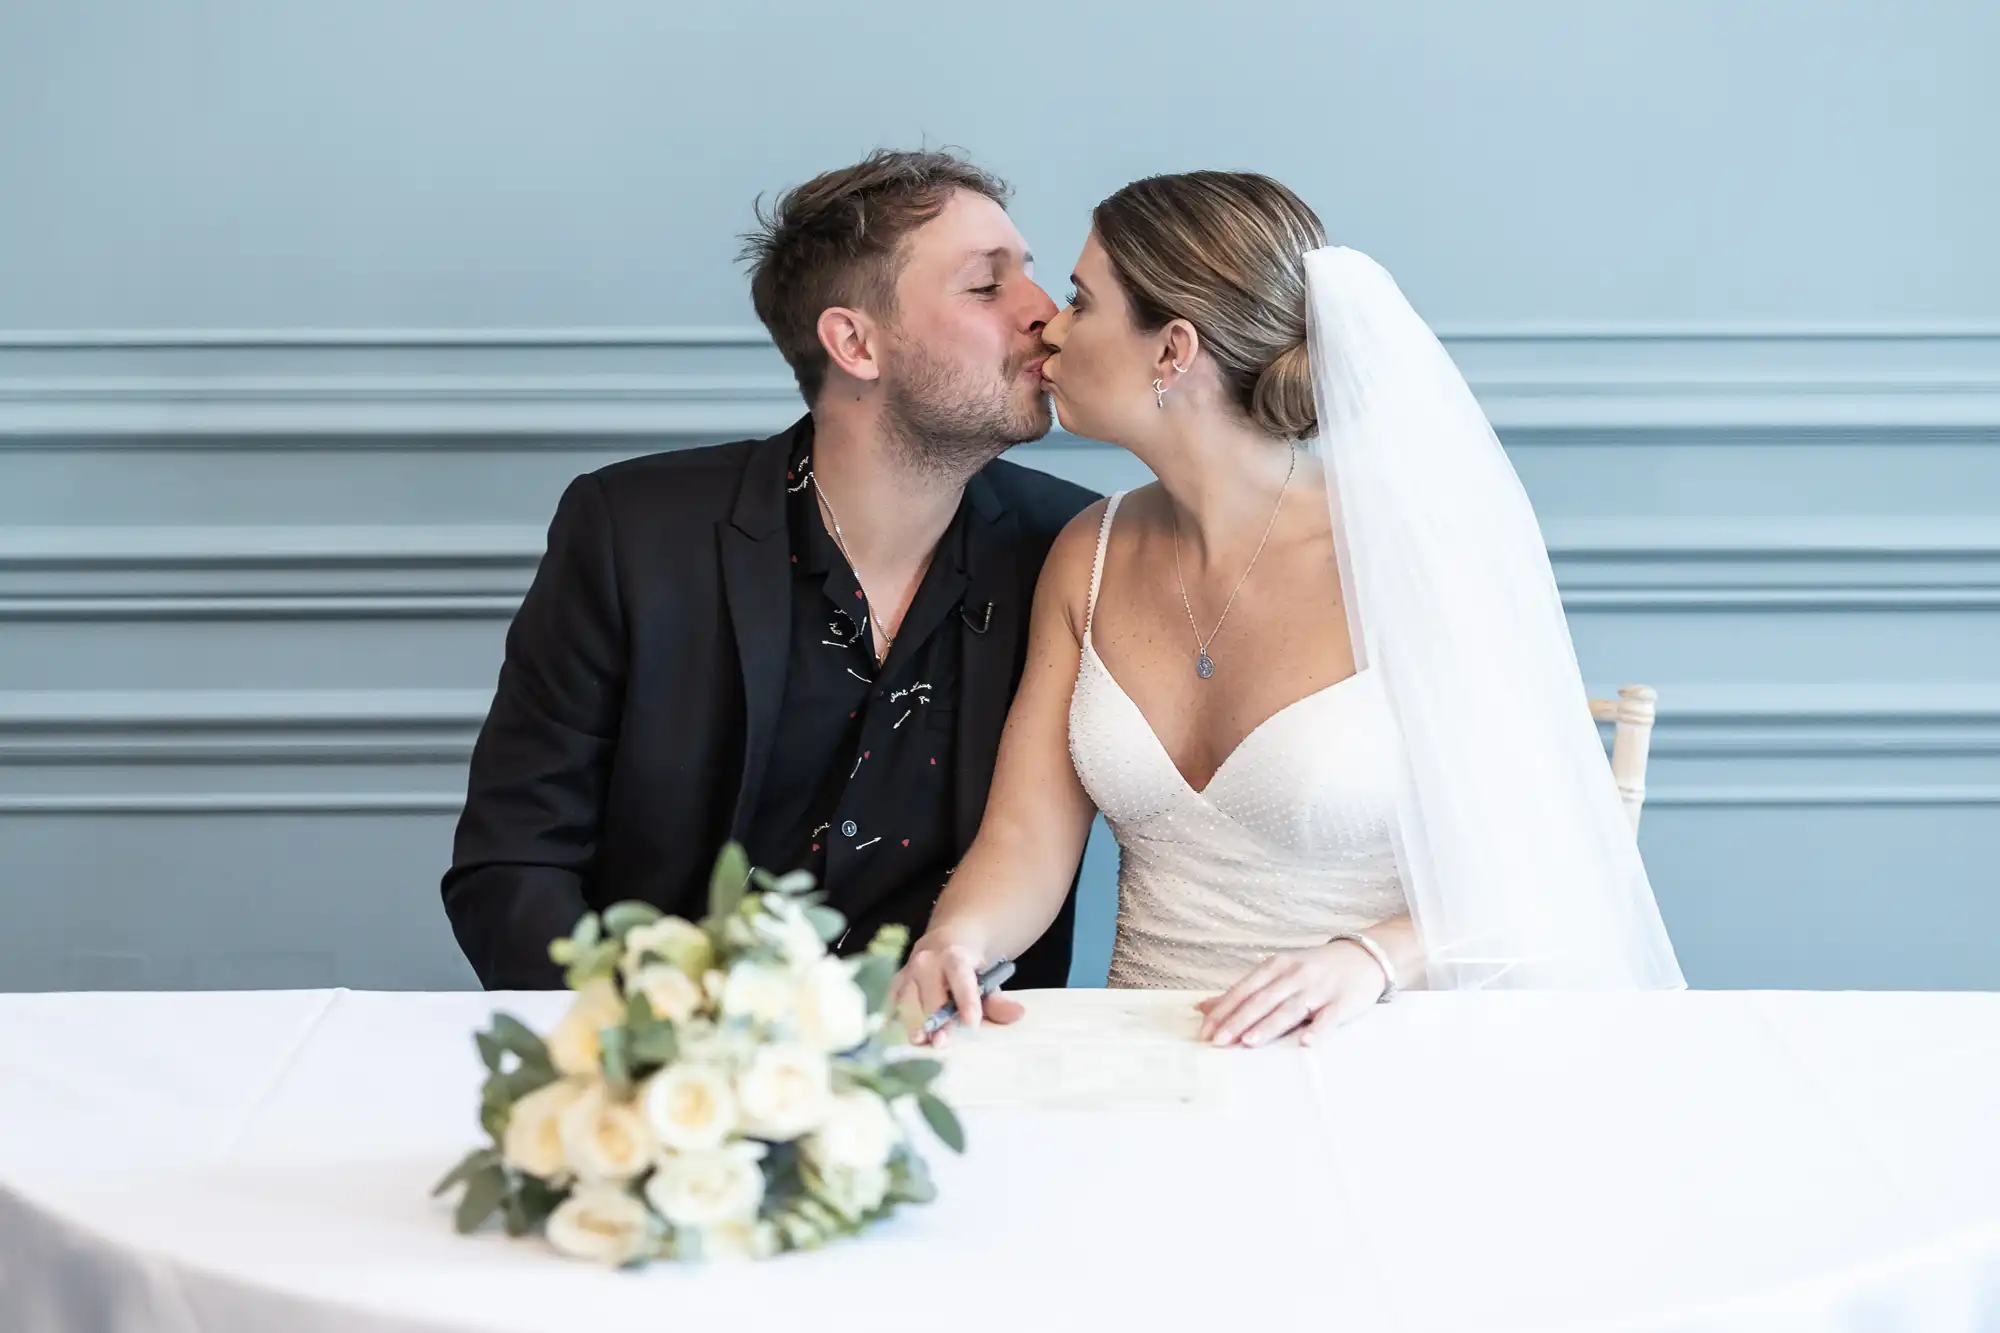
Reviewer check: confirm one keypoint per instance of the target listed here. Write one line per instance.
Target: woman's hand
(940, 969)
(1326, 986)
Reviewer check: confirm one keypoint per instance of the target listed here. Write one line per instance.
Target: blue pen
(989, 981)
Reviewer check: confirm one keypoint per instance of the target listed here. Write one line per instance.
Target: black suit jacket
(638, 701)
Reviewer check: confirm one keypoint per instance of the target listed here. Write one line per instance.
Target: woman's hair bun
(1281, 402)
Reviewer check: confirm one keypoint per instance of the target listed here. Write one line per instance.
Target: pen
(989, 981)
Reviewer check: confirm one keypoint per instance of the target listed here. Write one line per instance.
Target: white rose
(832, 1011)
(855, 1191)
(704, 1041)
(605, 1223)
(757, 991)
(533, 1140)
(785, 1092)
(574, 1046)
(603, 1139)
(685, 946)
(689, 1106)
(859, 1133)
(672, 993)
(708, 1188)
(785, 924)
(738, 1240)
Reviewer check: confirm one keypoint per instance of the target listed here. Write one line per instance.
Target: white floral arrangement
(721, 1089)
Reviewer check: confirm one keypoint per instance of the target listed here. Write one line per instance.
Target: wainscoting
(253, 587)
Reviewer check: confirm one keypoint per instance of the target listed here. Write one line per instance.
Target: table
(217, 1162)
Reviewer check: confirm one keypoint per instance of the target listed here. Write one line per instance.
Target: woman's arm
(1013, 879)
(1327, 986)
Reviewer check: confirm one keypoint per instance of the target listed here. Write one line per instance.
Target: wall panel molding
(206, 742)
(238, 385)
(480, 571)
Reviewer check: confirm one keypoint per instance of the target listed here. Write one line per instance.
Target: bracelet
(1381, 957)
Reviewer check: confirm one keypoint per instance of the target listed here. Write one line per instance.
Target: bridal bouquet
(721, 1088)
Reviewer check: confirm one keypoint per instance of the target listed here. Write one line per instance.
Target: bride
(1316, 676)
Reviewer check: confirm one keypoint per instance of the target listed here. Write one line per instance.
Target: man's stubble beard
(947, 424)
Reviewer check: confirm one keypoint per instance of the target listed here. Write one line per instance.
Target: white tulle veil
(1518, 860)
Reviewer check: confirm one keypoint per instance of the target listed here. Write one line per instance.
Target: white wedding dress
(1288, 845)
(1457, 775)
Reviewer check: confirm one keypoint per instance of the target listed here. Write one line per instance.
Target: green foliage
(753, 918)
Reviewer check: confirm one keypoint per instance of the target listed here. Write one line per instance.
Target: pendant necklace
(1204, 665)
(883, 637)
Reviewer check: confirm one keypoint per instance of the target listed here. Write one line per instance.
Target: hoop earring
(1159, 395)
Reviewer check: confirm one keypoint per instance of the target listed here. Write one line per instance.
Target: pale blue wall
(308, 310)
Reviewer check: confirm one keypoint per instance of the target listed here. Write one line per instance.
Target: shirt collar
(816, 554)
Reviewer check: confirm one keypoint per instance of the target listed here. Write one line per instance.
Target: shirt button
(850, 829)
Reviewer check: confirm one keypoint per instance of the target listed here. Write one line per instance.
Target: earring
(1159, 395)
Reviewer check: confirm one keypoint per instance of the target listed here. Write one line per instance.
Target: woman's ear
(852, 342)
(1179, 345)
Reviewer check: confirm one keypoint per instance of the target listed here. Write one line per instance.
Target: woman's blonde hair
(1224, 250)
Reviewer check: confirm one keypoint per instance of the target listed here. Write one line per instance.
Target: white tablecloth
(261, 1161)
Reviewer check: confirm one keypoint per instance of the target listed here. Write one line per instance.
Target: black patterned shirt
(859, 788)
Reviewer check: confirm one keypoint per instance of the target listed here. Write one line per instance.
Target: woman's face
(1101, 373)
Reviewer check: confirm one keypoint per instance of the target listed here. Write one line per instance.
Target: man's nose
(1041, 309)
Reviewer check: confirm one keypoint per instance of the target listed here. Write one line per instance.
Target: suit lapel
(991, 623)
(755, 552)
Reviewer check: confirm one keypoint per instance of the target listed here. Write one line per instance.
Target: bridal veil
(1518, 860)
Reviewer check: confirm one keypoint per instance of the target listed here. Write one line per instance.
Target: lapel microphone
(985, 621)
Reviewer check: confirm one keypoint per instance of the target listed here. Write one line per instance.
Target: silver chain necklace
(886, 639)
(1204, 666)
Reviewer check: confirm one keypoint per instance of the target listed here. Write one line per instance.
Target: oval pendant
(1203, 667)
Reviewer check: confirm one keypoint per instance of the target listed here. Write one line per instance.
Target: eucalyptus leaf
(615, 1044)
(794, 882)
(851, 1078)
(654, 1045)
(827, 922)
(910, 1179)
(511, 1034)
(588, 931)
(530, 1203)
(490, 1051)
(622, 917)
(562, 951)
(726, 882)
(515, 1217)
(824, 1216)
(915, 1074)
(770, 955)
(942, 1120)
(875, 975)
(479, 1159)
(503, 1090)
(782, 1162)
(596, 963)
(802, 1230)
(485, 1191)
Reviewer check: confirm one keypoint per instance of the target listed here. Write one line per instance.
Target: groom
(807, 644)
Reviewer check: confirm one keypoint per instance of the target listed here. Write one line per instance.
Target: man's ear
(852, 341)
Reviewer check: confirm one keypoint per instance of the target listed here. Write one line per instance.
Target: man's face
(962, 369)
